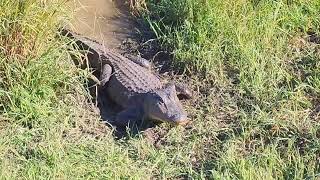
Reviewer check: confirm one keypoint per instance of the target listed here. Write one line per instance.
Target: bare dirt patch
(106, 21)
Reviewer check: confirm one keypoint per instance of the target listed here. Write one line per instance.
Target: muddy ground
(106, 21)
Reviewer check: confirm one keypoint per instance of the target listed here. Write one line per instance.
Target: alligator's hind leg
(141, 61)
(183, 92)
(106, 72)
(128, 117)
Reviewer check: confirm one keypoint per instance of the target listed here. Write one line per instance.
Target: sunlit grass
(254, 73)
(48, 128)
(259, 51)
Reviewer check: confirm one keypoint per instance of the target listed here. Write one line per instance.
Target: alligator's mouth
(181, 122)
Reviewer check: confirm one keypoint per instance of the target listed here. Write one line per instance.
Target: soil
(109, 22)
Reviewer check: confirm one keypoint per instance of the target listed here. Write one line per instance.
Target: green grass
(256, 79)
(258, 55)
(48, 128)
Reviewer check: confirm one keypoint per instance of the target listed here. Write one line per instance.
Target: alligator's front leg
(141, 61)
(183, 91)
(129, 117)
(106, 72)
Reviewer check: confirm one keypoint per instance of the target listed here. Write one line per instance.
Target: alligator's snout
(164, 105)
(177, 119)
(180, 119)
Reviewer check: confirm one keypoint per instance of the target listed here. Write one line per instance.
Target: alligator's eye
(159, 100)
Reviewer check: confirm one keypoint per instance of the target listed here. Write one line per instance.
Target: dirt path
(109, 22)
(106, 21)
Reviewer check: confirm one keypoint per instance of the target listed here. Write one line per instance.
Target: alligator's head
(163, 105)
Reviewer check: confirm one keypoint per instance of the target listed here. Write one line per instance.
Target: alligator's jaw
(181, 122)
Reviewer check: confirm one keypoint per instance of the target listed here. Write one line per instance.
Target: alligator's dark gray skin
(132, 85)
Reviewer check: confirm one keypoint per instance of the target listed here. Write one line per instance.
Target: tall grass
(48, 128)
(253, 45)
(260, 51)
(255, 115)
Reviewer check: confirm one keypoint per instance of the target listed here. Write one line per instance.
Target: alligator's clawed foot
(128, 117)
(183, 92)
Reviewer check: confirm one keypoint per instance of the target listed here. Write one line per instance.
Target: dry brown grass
(138, 6)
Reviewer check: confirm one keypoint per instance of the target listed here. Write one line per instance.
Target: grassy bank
(264, 59)
(48, 130)
(255, 76)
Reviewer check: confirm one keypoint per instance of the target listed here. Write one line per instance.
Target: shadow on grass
(108, 111)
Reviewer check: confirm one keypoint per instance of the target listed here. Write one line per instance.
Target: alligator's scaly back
(128, 79)
(134, 87)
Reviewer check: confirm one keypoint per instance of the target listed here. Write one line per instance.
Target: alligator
(130, 83)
